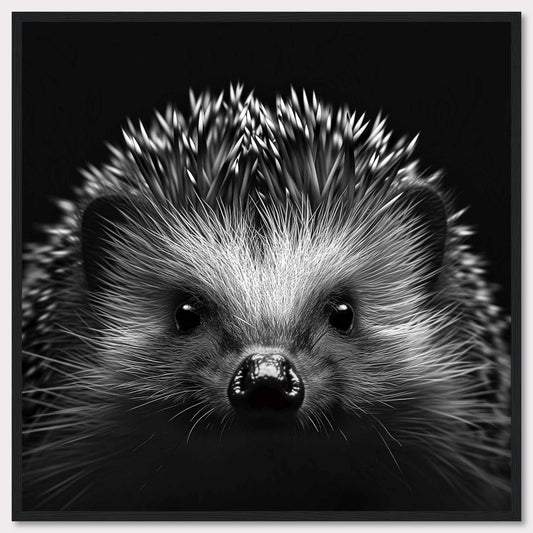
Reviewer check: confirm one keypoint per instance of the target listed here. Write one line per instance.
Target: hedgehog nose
(266, 382)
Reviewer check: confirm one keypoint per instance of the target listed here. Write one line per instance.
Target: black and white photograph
(267, 266)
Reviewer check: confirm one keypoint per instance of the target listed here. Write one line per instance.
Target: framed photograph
(266, 266)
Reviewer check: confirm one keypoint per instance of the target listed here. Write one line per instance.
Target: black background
(449, 81)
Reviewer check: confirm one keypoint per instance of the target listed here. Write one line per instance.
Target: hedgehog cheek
(429, 209)
(100, 219)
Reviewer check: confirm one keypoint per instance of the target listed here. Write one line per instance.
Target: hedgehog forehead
(284, 269)
(273, 273)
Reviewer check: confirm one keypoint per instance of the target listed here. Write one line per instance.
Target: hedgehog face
(298, 314)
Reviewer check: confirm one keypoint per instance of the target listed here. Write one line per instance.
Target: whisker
(198, 421)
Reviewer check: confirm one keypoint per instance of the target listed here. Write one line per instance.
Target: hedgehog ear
(100, 219)
(429, 208)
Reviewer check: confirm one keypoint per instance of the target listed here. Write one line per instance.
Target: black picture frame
(512, 180)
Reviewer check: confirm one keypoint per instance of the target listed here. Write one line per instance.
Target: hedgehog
(262, 308)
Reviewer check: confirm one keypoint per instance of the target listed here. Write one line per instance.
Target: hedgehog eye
(341, 317)
(187, 318)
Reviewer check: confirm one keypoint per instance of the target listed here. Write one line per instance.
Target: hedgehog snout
(266, 382)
